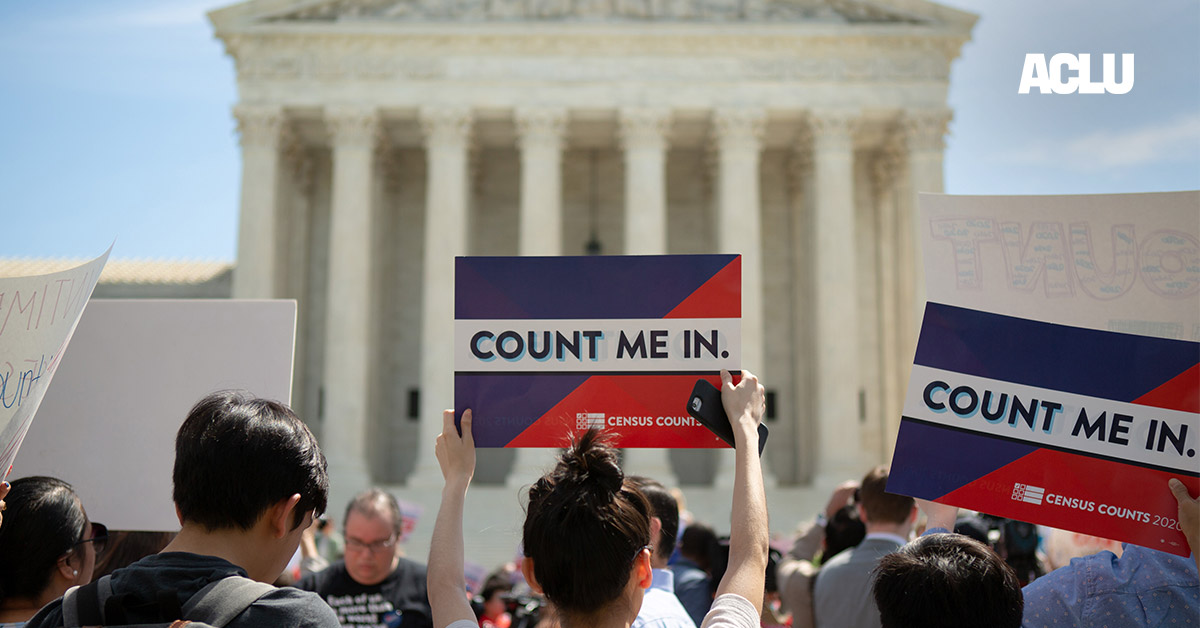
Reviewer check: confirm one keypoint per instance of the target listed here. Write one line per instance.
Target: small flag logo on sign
(1028, 494)
(589, 420)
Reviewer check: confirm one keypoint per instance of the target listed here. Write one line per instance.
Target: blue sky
(115, 118)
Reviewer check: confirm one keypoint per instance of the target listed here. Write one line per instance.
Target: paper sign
(135, 369)
(548, 346)
(37, 317)
(1057, 375)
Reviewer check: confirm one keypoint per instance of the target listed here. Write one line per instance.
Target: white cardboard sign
(37, 317)
(135, 369)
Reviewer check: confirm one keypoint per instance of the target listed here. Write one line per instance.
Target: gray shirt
(842, 595)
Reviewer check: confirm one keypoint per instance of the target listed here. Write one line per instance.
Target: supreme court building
(381, 138)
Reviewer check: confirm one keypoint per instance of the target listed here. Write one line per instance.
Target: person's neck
(901, 530)
(23, 608)
(244, 548)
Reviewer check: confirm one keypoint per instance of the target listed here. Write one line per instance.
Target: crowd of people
(599, 549)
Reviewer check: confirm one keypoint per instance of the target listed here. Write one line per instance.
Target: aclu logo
(1028, 494)
(1066, 73)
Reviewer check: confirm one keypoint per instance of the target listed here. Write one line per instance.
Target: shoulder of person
(49, 617)
(287, 606)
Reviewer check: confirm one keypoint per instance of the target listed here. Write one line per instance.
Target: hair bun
(590, 463)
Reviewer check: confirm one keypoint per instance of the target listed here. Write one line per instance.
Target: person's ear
(179, 515)
(655, 531)
(68, 571)
(862, 513)
(280, 516)
(645, 573)
(530, 579)
(912, 516)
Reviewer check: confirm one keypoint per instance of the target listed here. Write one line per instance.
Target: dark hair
(584, 526)
(843, 531)
(376, 502)
(43, 521)
(699, 544)
(127, 547)
(495, 583)
(947, 581)
(237, 455)
(882, 506)
(663, 506)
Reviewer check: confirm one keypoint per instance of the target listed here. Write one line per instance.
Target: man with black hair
(660, 607)
(249, 479)
(374, 585)
(944, 580)
(842, 594)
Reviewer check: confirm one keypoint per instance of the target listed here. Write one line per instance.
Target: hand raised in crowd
(744, 403)
(455, 452)
(1189, 516)
(840, 497)
(938, 515)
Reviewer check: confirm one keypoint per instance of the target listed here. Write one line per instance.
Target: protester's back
(249, 477)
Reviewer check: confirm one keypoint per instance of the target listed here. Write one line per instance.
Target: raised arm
(446, 580)
(749, 536)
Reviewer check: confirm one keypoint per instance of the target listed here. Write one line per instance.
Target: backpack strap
(220, 602)
(84, 605)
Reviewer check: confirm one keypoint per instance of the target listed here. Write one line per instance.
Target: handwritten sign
(37, 317)
(1057, 375)
(549, 345)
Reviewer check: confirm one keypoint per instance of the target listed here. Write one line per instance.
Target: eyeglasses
(374, 547)
(98, 538)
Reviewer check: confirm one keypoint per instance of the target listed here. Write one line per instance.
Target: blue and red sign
(1064, 426)
(548, 346)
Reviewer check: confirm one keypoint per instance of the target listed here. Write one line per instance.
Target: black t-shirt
(400, 601)
(184, 575)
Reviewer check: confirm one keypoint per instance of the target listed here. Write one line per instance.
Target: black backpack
(214, 606)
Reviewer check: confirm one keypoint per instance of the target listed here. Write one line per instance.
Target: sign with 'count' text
(1057, 375)
(549, 346)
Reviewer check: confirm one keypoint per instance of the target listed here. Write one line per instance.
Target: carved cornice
(353, 126)
(334, 57)
(925, 130)
(259, 125)
(541, 126)
(714, 11)
(446, 126)
(832, 129)
(644, 127)
(738, 128)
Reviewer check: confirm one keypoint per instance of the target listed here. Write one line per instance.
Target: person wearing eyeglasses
(47, 545)
(373, 584)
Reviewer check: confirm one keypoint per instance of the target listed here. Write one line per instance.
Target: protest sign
(37, 317)
(1057, 375)
(546, 346)
(135, 369)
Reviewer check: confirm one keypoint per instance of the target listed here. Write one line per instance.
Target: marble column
(260, 129)
(924, 134)
(540, 136)
(738, 135)
(643, 135)
(353, 131)
(893, 374)
(447, 132)
(801, 184)
(834, 315)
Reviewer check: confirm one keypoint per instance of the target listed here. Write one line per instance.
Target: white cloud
(1117, 148)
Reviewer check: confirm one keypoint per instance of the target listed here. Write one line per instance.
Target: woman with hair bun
(47, 545)
(587, 529)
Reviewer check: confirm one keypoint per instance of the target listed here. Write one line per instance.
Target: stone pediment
(618, 11)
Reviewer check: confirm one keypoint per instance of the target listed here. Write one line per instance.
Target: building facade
(381, 138)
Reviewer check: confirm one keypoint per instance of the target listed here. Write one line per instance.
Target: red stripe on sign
(1181, 393)
(637, 410)
(1082, 494)
(719, 297)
